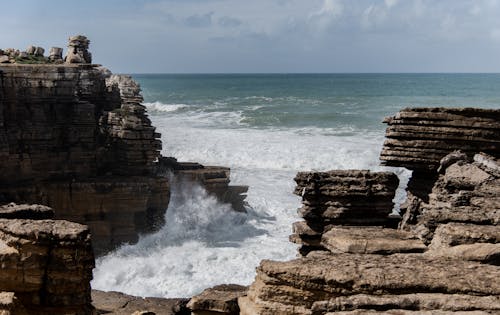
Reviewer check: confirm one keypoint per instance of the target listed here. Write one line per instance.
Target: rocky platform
(443, 258)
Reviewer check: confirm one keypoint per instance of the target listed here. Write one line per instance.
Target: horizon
(268, 36)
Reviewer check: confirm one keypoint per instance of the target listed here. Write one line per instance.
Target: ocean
(266, 128)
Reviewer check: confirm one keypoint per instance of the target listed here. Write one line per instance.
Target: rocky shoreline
(77, 145)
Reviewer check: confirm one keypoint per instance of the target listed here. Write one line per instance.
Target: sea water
(266, 128)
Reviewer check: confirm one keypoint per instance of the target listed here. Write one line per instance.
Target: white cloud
(390, 3)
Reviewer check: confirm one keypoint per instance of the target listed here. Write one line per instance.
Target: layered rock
(219, 300)
(116, 303)
(76, 140)
(350, 197)
(78, 50)
(214, 179)
(325, 283)
(48, 264)
(445, 258)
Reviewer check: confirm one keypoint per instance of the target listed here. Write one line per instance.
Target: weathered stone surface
(349, 197)
(25, 211)
(464, 193)
(4, 59)
(418, 138)
(55, 54)
(423, 302)
(370, 240)
(221, 299)
(9, 304)
(295, 287)
(116, 303)
(58, 150)
(78, 50)
(48, 264)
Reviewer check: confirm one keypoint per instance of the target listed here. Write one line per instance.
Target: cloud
(227, 21)
(199, 20)
(329, 12)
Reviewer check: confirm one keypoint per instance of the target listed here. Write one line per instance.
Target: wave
(162, 107)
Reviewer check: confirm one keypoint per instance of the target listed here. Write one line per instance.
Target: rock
(23, 55)
(116, 303)
(214, 179)
(349, 197)
(58, 149)
(31, 50)
(303, 285)
(55, 53)
(418, 138)
(78, 50)
(25, 211)
(424, 302)
(221, 299)
(39, 51)
(370, 240)
(48, 264)
(4, 59)
(9, 304)
(465, 193)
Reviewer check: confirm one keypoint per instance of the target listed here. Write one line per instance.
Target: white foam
(204, 243)
(161, 107)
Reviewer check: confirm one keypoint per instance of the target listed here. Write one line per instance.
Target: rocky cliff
(73, 139)
(444, 258)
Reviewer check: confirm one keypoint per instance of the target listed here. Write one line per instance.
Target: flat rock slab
(221, 299)
(116, 303)
(371, 240)
(25, 211)
(453, 234)
(417, 301)
(348, 274)
(40, 230)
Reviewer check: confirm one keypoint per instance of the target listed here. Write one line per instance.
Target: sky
(266, 36)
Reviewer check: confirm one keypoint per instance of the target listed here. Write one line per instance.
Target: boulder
(221, 299)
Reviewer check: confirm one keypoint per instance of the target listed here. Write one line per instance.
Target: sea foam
(203, 242)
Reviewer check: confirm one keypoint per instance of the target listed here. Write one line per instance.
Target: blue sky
(198, 36)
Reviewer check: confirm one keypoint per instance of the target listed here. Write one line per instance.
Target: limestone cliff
(76, 140)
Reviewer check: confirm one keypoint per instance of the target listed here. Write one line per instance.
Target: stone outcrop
(78, 50)
(76, 140)
(221, 299)
(325, 283)
(444, 259)
(46, 267)
(215, 180)
(350, 197)
(116, 303)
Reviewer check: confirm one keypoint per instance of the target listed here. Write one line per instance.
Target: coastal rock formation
(116, 303)
(214, 179)
(46, 265)
(444, 259)
(78, 50)
(349, 197)
(221, 299)
(322, 283)
(76, 140)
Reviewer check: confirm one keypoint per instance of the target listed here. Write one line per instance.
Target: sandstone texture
(221, 299)
(116, 303)
(443, 259)
(48, 264)
(76, 139)
(350, 197)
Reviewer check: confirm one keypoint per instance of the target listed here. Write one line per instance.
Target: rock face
(48, 264)
(221, 299)
(116, 303)
(78, 50)
(444, 259)
(215, 180)
(78, 141)
(348, 197)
